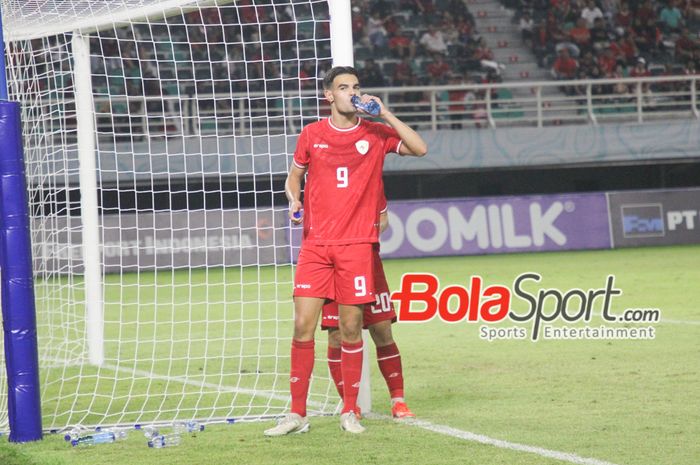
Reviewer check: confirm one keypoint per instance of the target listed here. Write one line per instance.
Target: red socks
(334, 354)
(389, 361)
(302, 365)
(351, 367)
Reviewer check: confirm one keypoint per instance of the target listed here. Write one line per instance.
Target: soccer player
(343, 158)
(377, 318)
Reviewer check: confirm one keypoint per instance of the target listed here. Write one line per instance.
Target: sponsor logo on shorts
(303, 286)
(293, 379)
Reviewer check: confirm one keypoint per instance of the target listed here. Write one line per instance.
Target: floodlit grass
(622, 401)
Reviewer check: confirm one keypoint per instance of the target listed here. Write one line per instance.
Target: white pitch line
(441, 429)
(480, 438)
(202, 384)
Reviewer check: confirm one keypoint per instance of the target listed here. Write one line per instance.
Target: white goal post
(157, 136)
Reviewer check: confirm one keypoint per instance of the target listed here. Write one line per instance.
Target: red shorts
(343, 273)
(381, 310)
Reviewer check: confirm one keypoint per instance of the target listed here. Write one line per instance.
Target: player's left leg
(351, 364)
(389, 361)
(334, 355)
(354, 278)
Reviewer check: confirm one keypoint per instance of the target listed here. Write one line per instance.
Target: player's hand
(383, 221)
(365, 98)
(295, 214)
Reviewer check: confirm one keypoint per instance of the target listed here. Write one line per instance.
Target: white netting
(196, 109)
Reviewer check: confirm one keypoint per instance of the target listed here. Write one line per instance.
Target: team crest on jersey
(362, 146)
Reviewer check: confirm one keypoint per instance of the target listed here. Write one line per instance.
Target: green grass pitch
(619, 401)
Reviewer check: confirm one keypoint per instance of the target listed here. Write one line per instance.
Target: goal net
(157, 136)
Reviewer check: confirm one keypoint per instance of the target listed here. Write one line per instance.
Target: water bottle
(371, 107)
(187, 427)
(102, 437)
(150, 431)
(165, 440)
(74, 433)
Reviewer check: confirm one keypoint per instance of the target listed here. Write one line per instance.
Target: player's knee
(351, 330)
(381, 334)
(334, 338)
(304, 328)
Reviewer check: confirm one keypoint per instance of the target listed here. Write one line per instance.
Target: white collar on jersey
(330, 123)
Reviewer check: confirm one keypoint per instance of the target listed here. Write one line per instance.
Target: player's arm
(292, 188)
(383, 221)
(411, 143)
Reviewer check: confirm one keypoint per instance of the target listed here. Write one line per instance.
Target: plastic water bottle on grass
(150, 431)
(101, 437)
(165, 440)
(183, 427)
(74, 433)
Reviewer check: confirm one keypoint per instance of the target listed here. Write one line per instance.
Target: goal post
(16, 279)
(157, 138)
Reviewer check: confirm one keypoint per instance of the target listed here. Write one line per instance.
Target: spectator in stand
(465, 26)
(685, 46)
(401, 46)
(591, 12)
(647, 36)
(450, 33)
(561, 10)
(600, 39)
(623, 19)
(646, 12)
(609, 8)
(586, 65)
(640, 69)
(620, 88)
(371, 75)
(581, 35)
(527, 27)
(564, 66)
(376, 32)
(692, 10)
(457, 98)
(607, 62)
(624, 50)
(438, 70)
(483, 52)
(358, 24)
(403, 73)
(433, 41)
(671, 17)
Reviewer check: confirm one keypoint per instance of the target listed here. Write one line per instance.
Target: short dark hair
(337, 71)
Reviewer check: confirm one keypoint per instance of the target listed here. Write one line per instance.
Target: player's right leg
(313, 283)
(306, 312)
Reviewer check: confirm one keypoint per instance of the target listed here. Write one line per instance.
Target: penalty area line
(480, 438)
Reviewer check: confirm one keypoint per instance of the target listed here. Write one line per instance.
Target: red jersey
(344, 188)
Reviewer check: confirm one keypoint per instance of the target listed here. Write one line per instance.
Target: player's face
(344, 87)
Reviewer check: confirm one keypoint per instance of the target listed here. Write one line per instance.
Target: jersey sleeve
(392, 141)
(301, 153)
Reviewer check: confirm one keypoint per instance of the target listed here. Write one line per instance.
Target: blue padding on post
(18, 311)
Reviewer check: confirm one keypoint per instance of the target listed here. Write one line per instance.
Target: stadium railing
(511, 104)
